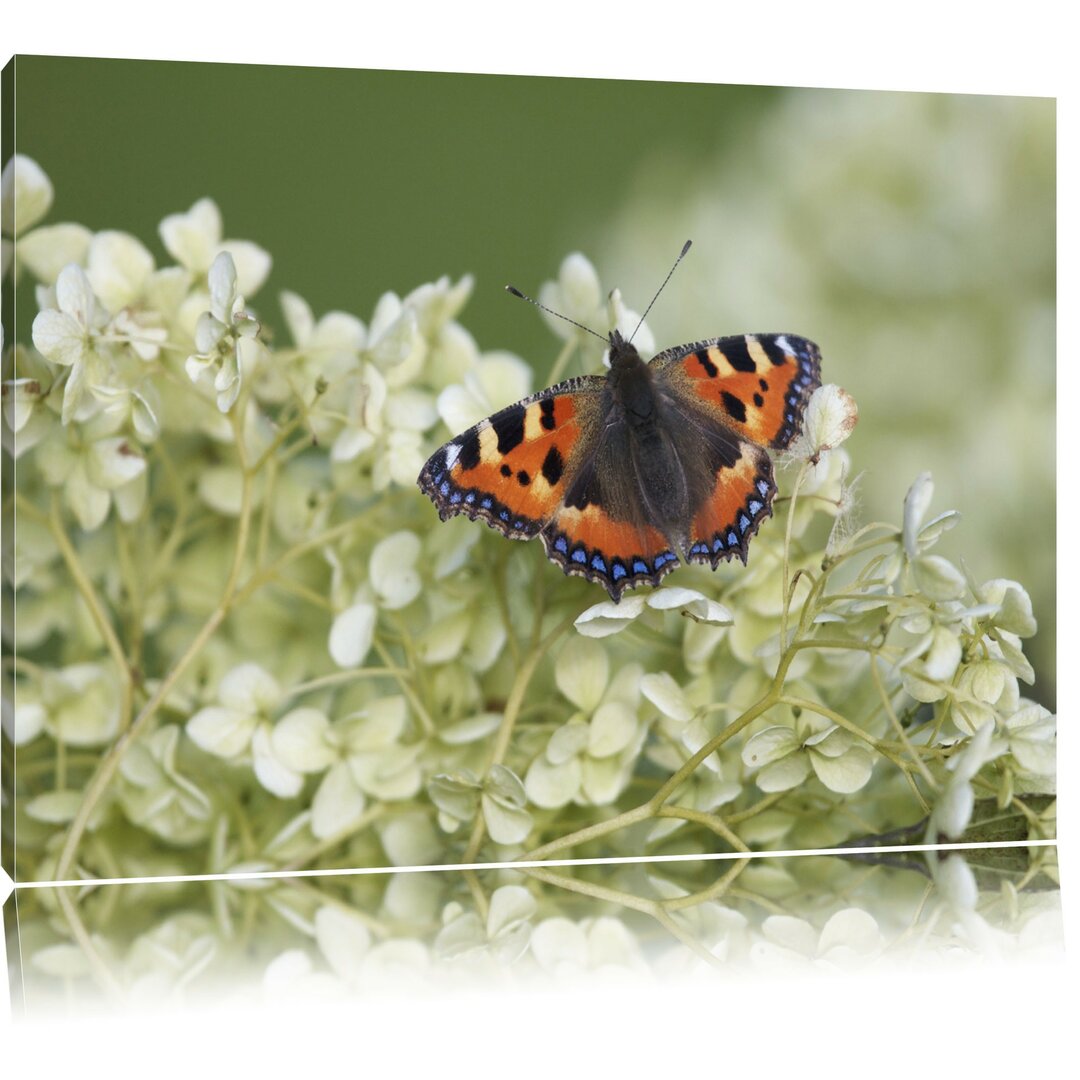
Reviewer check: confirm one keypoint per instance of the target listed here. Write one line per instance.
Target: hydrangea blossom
(274, 655)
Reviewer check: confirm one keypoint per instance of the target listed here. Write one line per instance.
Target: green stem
(97, 612)
(103, 775)
(505, 732)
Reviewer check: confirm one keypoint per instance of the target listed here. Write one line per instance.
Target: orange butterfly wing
(512, 469)
(757, 385)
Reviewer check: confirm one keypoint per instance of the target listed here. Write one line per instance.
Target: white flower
(26, 194)
(224, 336)
(504, 934)
(850, 936)
(566, 948)
(248, 697)
(96, 467)
(156, 796)
(80, 705)
(393, 582)
(830, 417)
(500, 796)
(194, 240)
(952, 812)
(118, 267)
(576, 294)
(784, 758)
(362, 755)
(67, 336)
(590, 758)
(607, 618)
(498, 379)
(1031, 735)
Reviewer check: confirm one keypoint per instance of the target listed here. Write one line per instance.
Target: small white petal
(668, 696)
(581, 673)
(58, 337)
(223, 732)
(222, 281)
(606, 618)
(392, 569)
(937, 578)
(117, 267)
(459, 408)
(75, 297)
(579, 285)
(88, 502)
(916, 503)
(299, 740)
(944, 656)
(54, 807)
(510, 905)
(831, 415)
(351, 635)
(192, 238)
(270, 771)
(691, 603)
(221, 487)
(26, 722)
(771, 744)
(1015, 614)
(46, 251)
(552, 786)
(602, 779)
(343, 939)
(209, 330)
(298, 316)
(251, 688)
(503, 378)
(784, 774)
(846, 773)
(957, 882)
(113, 462)
(612, 729)
(27, 194)
(252, 264)
(337, 804)
(505, 824)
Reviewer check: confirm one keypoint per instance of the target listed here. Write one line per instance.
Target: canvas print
(427, 470)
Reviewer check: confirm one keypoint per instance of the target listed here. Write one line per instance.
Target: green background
(362, 181)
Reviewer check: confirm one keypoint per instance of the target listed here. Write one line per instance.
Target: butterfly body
(627, 474)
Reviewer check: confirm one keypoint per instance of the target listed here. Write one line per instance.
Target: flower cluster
(245, 639)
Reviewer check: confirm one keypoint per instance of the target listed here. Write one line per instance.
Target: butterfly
(625, 474)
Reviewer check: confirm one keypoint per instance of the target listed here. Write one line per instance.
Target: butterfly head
(622, 354)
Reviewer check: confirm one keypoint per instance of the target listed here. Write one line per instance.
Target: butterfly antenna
(685, 249)
(521, 296)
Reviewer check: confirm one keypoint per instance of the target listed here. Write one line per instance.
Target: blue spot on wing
(485, 503)
(732, 539)
(763, 487)
(560, 544)
(598, 564)
(640, 567)
(578, 555)
(618, 571)
(718, 545)
(444, 488)
(744, 523)
(753, 506)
